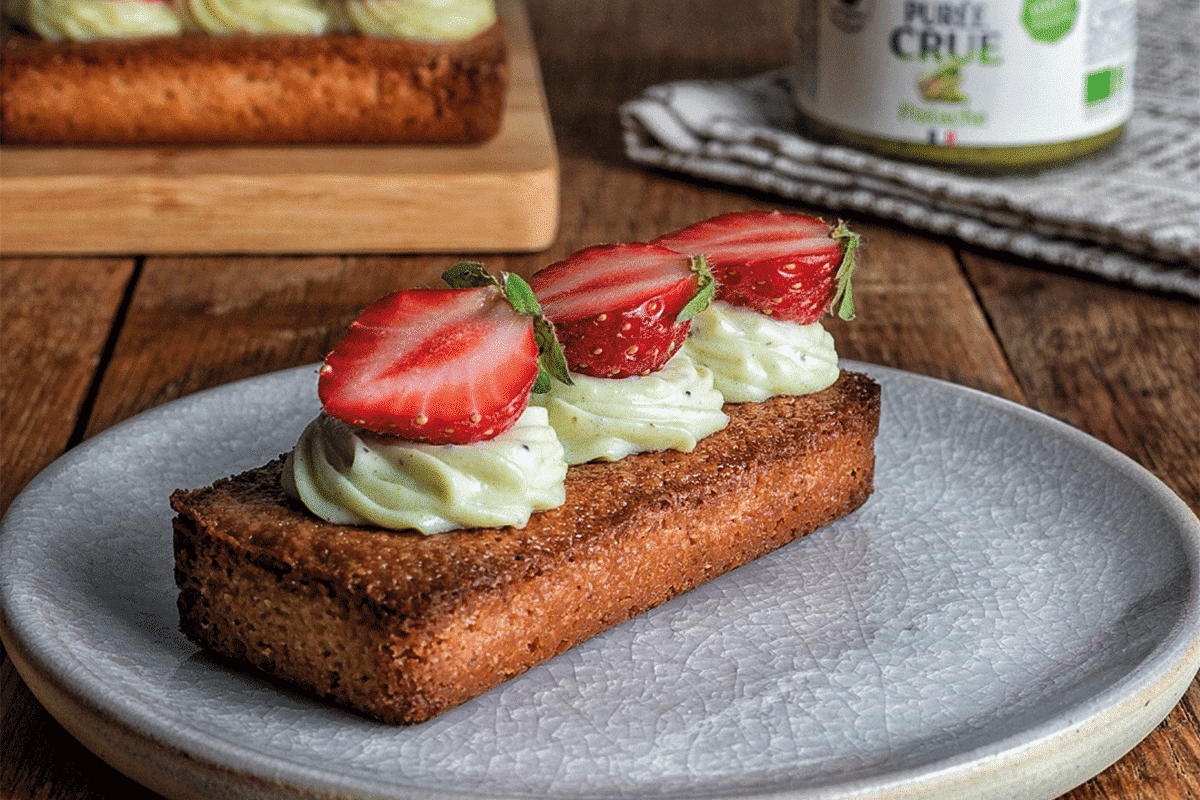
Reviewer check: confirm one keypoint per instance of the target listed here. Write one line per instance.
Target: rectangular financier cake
(403, 626)
(198, 89)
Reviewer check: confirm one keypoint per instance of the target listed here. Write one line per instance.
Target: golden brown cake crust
(403, 626)
(199, 89)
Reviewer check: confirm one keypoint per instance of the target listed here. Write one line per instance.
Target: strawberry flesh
(443, 366)
(783, 265)
(616, 308)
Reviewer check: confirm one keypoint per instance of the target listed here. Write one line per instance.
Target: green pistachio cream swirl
(83, 20)
(438, 21)
(226, 17)
(424, 20)
(753, 357)
(607, 419)
(352, 477)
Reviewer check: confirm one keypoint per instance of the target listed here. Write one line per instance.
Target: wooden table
(92, 341)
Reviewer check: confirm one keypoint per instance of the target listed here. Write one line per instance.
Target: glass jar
(984, 85)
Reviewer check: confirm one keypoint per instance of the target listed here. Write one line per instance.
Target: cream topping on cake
(82, 20)
(226, 17)
(609, 418)
(426, 20)
(350, 476)
(753, 357)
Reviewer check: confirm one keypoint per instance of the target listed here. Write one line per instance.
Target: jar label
(967, 73)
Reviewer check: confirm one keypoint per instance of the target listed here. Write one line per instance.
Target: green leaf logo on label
(1049, 20)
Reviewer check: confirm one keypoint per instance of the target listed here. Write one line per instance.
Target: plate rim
(114, 735)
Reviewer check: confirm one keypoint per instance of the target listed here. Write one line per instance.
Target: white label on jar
(1017, 73)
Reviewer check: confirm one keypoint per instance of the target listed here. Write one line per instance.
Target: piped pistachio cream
(753, 357)
(350, 476)
(607, 419)
(226, 17)
(425, 20)
(81, 20)
(353, 477)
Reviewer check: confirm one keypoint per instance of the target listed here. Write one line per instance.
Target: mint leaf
(705, 291)
(843, 298)
(520, 295)
(552, 362)
(469, 275)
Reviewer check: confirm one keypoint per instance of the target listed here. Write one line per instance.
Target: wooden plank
(41, 760)
(55, 317)
(354, 199)
(1121, 365)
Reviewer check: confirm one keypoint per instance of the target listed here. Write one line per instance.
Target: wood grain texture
(41, 760)
(344, 199)
(55, 318)
(1119, 364)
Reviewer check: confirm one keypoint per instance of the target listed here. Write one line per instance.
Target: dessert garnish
(778, 274)
(426, 423)
(421, 20)
(434, 21)
(95, 19)
(443, 366)
(787, 266)
(622, 312)
(257, 17)
(623, 309)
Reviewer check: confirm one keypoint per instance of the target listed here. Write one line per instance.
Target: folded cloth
(1129, 214)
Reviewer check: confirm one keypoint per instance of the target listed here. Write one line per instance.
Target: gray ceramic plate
(1014, 608)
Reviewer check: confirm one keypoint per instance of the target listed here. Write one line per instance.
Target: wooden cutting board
(500, 196)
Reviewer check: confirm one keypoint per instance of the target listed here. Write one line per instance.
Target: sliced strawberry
(444, 366)
(788, 266)
(622, 309)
